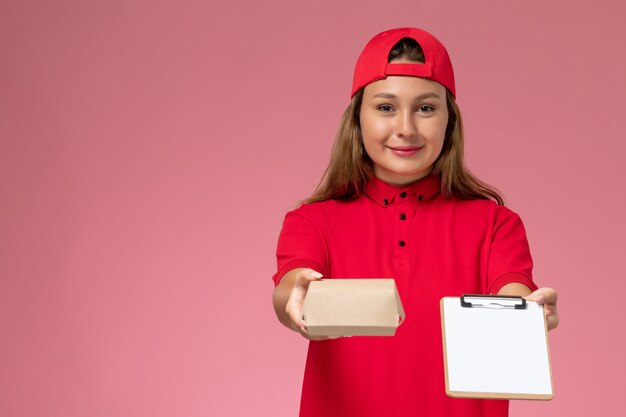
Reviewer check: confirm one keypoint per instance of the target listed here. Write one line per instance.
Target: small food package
(352, 307)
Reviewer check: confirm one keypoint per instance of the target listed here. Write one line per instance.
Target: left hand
(547, 297)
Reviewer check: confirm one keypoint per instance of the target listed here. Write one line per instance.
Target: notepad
(495, 347)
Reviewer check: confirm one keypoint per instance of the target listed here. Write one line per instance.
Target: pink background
(149, 150)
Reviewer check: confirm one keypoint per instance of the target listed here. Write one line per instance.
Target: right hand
(295, 302)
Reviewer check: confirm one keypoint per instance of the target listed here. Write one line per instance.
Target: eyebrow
(420, 97)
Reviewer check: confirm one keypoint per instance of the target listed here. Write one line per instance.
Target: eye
(425, 108)
(385, 108)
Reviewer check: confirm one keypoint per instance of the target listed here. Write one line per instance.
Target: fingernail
(316, 274)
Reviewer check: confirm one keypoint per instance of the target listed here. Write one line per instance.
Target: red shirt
(433, 247)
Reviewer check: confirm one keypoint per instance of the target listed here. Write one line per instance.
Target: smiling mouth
(405, 150)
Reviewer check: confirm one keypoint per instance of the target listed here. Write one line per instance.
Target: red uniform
(433, 247)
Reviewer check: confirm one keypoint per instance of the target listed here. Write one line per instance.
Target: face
(403, 123)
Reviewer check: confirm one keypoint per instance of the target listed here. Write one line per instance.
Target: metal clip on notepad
(493, 301)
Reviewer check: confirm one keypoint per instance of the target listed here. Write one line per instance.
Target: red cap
(372, 64)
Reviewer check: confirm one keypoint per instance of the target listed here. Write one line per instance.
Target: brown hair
(350, 167)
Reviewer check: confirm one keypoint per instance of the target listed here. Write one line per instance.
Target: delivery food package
(353, 307)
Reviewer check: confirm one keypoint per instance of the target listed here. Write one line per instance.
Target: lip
(404, 150)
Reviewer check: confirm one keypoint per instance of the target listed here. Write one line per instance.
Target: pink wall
(149, 150)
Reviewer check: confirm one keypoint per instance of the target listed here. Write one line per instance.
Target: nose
(406, 127)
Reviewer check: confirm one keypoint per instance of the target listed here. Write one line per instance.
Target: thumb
(305, 277)
(543, 296)
(536, 297)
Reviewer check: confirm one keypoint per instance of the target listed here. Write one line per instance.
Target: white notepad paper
(492, 350)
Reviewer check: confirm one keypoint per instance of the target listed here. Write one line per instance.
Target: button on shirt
(433, 247)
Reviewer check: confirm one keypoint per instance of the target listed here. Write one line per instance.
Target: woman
(397, 201)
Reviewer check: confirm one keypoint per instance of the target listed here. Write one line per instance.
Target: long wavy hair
(350, 167)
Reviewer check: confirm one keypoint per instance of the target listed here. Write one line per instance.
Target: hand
(547, 297)
(295, 302)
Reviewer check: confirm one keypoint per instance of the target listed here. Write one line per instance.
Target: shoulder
(311, 211)
(479, 206)
(327, 214)
(484, 211)
(326, 207)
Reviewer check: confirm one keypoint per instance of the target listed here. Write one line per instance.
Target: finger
(295, 302)
(305, 277)
(552, 322)
(296, 298)
(551, 315)
(536, 298)
(549, 295)
(294, 308)
(543, 296)
(535, 295)
(294, 311)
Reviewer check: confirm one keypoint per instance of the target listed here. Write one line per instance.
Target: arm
(302, 255)
(510, 255)
(543, 296)
(289, 296)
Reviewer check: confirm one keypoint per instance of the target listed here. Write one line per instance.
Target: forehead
(404, 87)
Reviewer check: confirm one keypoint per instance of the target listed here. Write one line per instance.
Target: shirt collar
(385, 194)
